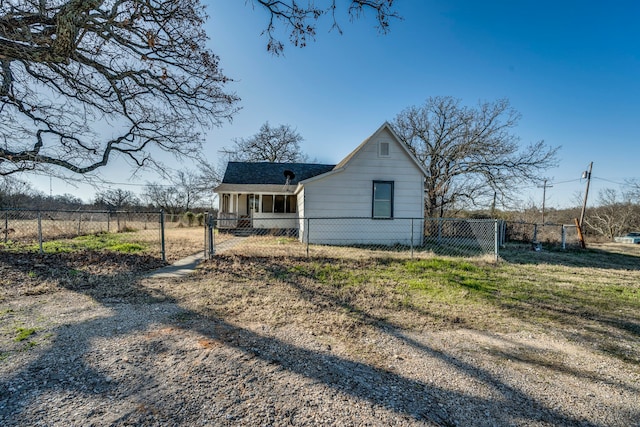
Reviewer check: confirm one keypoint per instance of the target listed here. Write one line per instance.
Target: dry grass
(590, 297)
(180, 241)
(278, 246)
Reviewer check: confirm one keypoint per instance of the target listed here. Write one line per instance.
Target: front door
(253, 204)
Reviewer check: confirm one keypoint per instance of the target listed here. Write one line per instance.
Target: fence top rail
(492, 220)
(368, 217)
(78, 211)
(546, 224)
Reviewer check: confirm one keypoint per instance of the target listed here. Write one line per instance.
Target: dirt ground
(89, 340)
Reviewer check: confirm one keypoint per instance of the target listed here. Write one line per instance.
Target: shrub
(189, 217)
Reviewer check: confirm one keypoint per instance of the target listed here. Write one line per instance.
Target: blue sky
(571, 68)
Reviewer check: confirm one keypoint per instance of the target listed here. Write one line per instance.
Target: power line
(608, 180)
(99, 182)
(550, 184)
(566, 182)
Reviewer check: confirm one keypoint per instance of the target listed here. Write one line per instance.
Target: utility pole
(587, 175)
(544, 196)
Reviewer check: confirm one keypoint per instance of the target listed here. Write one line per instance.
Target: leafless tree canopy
(470, 153)
(14, 193)
(614, 214)
(270, 144)
(140, 68)
(180, 193)
(116, 199)
(632, 187)
(300, 17)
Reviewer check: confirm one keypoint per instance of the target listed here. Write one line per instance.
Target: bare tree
(116, 199)
(140, 68)
(187, 184)
(209, 176)
(84, 80)
(270, 144)
(300, 18)
(163, 197)
(15, 193)
(180, 195)
(632, 187)
(470, 154)
(613, 216)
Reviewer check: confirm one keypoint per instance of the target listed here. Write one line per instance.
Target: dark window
(292, 203)
(278, 204)
(267, 203)
(382, 199)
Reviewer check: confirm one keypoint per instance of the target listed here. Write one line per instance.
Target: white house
(373, 196)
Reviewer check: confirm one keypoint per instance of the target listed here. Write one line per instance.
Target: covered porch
(257, 210)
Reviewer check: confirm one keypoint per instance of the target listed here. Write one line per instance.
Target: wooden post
(586, 194)
(580, 236)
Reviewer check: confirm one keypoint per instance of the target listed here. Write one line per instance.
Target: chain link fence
(50, 230)
(355, 237)
(173, 237)
(167, 236)
(539, 236)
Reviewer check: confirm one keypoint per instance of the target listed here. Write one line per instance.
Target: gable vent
(383, 149)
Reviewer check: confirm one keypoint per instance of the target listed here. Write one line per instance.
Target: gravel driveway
(132, 353)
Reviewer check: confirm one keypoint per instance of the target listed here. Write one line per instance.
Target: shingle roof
(271, 173)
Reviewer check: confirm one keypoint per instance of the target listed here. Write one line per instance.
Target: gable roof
(271, 173)
(340, 166)
(388, 127)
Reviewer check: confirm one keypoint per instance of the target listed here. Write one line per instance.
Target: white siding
(349, 194)
(301, 212)
(349, 231)
(275, 220)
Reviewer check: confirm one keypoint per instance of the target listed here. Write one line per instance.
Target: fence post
(496, 240)
(6, 226)
(205, 226)
(411, 238)
(564, 238)
(535, 232)
(308, 221)
(40, 232)
(164, 255)
(211, 229)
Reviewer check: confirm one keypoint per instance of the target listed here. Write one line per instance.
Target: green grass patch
(127, 248)
(23, 334)
(540, 294)
(332, 274)
(566, 295)
(115, 242)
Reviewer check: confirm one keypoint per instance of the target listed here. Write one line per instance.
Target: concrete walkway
(186, 266)
(178, 269)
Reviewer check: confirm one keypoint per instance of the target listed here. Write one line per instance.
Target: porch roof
(271, 173)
